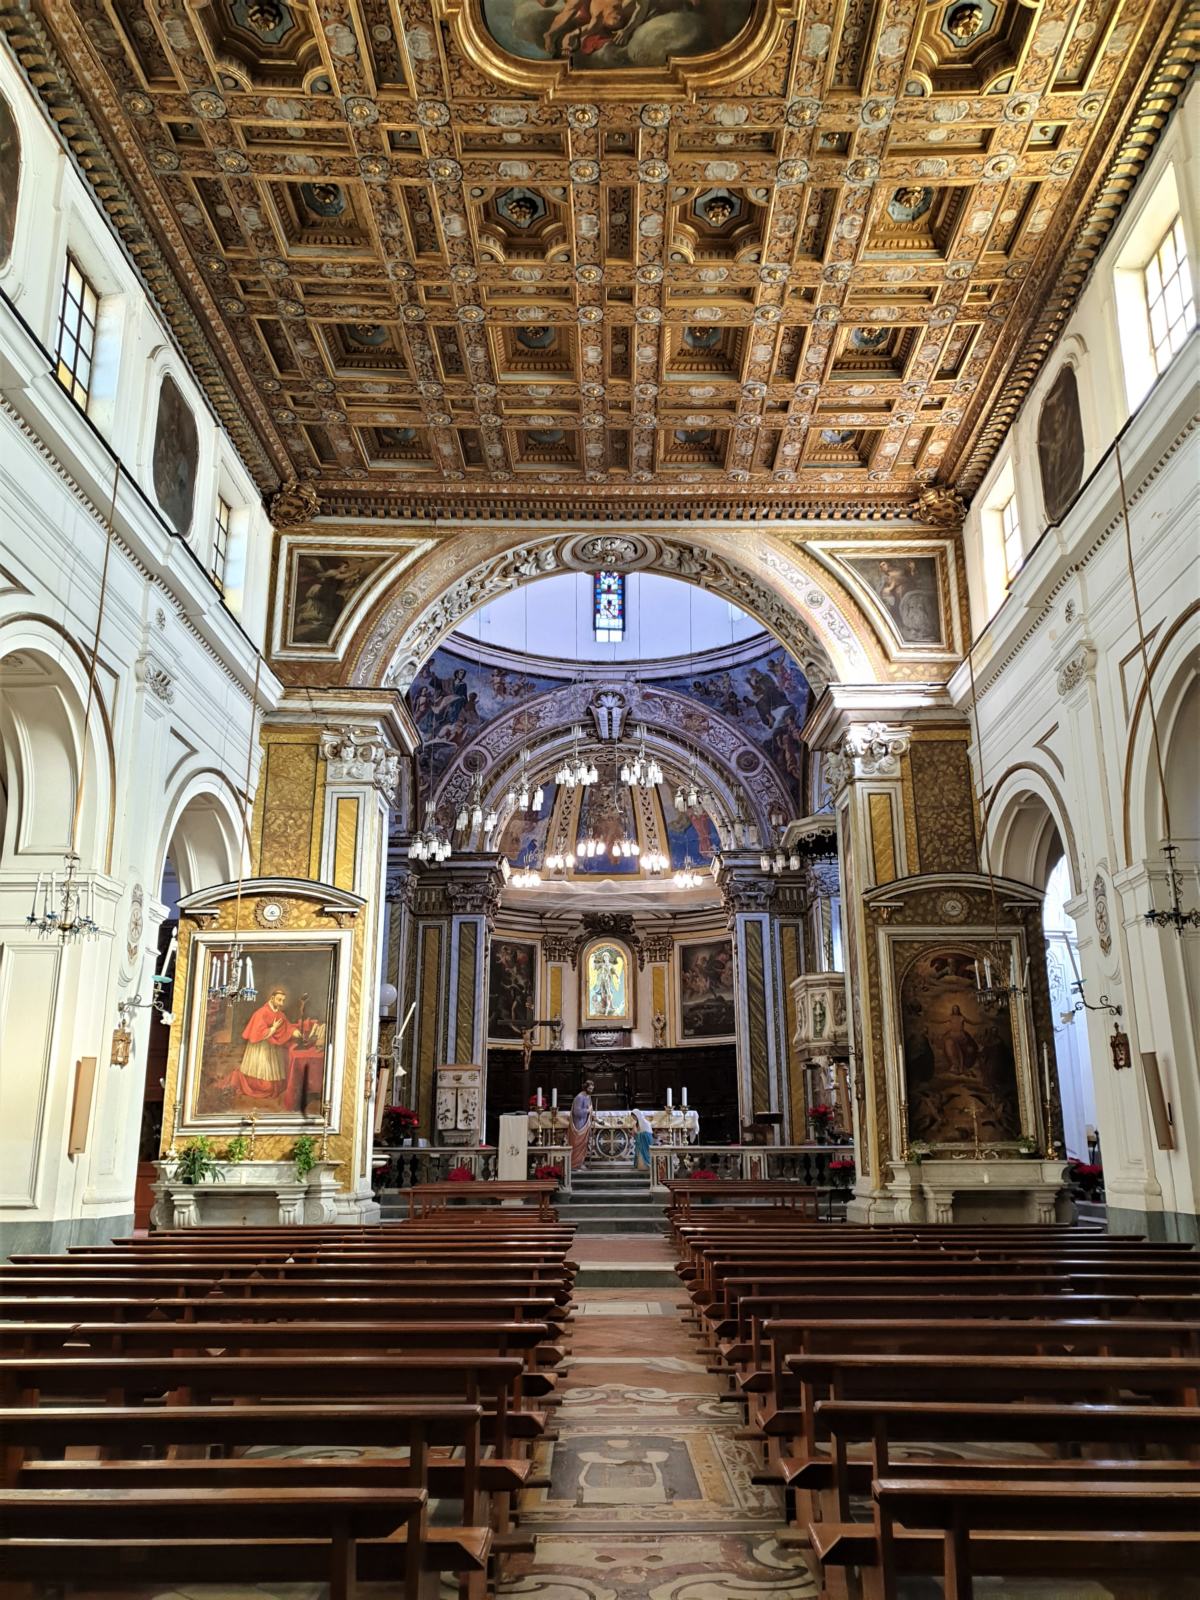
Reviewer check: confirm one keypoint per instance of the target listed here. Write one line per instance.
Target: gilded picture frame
(704, 991)
(607, 985)
(279, 1058)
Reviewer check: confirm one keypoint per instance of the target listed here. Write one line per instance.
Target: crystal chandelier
(655, 863)
(68, 911)
(690, 798)
(687, 877)
(588, 849)
(471, 813)
(643, 771)
(430, 843)
(526, 878)
(576, 772)
(778, 862)
(558, 862)
(522, 795)
(1175, 916)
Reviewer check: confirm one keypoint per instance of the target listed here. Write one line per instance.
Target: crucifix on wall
(529, 1035)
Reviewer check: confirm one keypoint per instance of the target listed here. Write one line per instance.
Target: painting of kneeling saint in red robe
(270, 1054)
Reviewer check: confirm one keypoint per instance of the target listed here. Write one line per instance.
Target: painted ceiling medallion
(615, 35)
(909, 203)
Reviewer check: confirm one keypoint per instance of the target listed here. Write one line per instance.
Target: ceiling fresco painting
(478, 257)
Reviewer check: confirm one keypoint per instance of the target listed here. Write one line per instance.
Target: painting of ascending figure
(607, 34)
(960, 1064)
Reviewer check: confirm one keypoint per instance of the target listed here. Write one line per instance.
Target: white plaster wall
(1059, 674)
(172, 698)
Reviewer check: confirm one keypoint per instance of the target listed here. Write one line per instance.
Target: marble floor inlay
(649, 1491)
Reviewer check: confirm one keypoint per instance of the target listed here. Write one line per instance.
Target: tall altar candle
(554, 1099)
(1046, 1074)
(684, 1097)
(670, 1102)
(539, 1099)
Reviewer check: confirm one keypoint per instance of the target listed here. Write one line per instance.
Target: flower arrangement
(1085, 1175)
(460, 1175)
(842, 1171)
(820, 1114)
(548, 1169)
(704, 1174)
(405, 1116)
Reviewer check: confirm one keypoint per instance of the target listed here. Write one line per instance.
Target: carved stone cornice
(355, 756)
(477, 896)
(658, 946)
(609, 925)
(745, 888)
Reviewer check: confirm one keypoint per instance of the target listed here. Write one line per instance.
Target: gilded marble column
(759, 1009)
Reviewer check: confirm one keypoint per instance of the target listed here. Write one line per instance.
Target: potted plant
(237, 1150)
(821, 1117)
(549, 1169)
(704, 1174)
(1085, 1177)
(918, 1150)
(399, 1126)
(1027, 1145)
(304, 1154)
(841, 1173)
(460, 1174)
(195, 1163)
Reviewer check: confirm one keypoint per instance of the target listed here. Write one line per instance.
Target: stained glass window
(608, 592)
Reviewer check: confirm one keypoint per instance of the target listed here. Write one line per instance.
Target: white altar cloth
(616, 1128)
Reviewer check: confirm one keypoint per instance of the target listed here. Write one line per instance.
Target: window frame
(222, 533)
(1010, 536)
(67, 371)
(608, 632)
(1177, 328)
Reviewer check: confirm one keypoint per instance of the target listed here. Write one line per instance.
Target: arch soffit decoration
(30, 634)
(1174, 660)
(1010, 795)
(727, 759)
(211, 792)
(782, 588)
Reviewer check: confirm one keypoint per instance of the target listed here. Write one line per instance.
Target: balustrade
(806, 1164)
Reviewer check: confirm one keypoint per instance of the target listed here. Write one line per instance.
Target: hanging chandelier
(231, 974)
(778, 862)
(430, 843)
(622, 848)
(68, 911)
(522, 794)
(558, 862)
(643, 771)
(655, 862)
(690, 799)
(999, 981)
(471, 813)
(1175, 916)
(525, 878)
(688, 877)
(576, 771)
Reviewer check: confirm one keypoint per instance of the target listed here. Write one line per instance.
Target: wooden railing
(806, 1164)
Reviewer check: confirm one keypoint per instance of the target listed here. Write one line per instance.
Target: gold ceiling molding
(727, 63)
(416, 269)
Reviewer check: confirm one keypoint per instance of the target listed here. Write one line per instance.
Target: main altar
(613, 1132)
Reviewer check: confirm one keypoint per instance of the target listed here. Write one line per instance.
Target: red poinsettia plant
(548, 1169)
(405, 1116)
(841, 1165)
(705, 1175)
(821, 1113)
(1087, 1174)
(841, 1172)
(535, 1104)
(460, 1175)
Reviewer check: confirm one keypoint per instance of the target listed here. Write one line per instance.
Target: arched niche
(607, 985)
(202, 839)
(1174, 669)
(41, 733)
(1029, 827)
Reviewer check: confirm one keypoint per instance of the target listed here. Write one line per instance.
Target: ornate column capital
(354, 755)
(867, 750)
(745, 888)
(1078, 667)
(472, 890)
(558, 947)
(658, 946)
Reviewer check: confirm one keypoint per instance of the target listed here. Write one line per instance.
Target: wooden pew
(32, 1434)
(425, 1199)
(688, 1194)
(1164, 1519)
(121, 1536)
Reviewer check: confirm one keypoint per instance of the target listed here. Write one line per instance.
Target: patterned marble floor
(649, 1492)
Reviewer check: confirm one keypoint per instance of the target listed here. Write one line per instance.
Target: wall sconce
(1121, 1054)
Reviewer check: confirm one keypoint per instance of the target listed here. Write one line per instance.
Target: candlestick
(539, 1099)
(977, 972)
(670, 1101)
(684, 1097)
(1046, 1075)
(37, 889)
(554, 1099)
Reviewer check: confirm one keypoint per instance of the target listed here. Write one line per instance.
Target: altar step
(610, 1197)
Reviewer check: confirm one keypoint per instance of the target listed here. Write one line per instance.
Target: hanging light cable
(68, 911)
(1174, 916)
(231, 976)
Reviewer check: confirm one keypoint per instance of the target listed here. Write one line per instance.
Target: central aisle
(650, 1495)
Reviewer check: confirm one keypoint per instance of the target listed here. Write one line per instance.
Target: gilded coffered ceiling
(788, 255)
